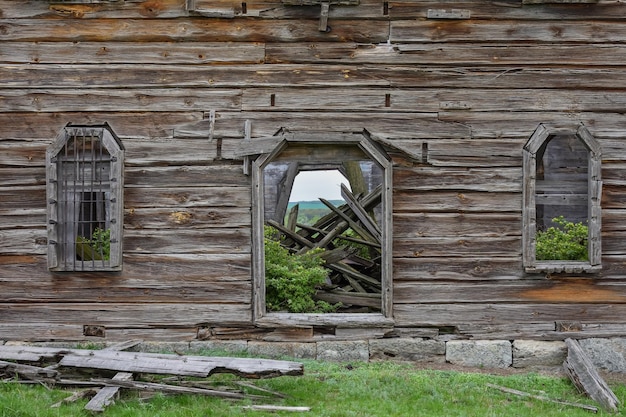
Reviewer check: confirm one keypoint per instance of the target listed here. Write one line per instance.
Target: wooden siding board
(454, 247)
(229, 125)
(32, 126)
(424, 31)
(155, 100)
(521, 55)
(128, 314)
(494, 314)
(189, 30)
(408, 201)
(184, 197)
(107, 53)
(454, 224)
(511, 10)
(462, 269)
(572, 290)
(191, 217)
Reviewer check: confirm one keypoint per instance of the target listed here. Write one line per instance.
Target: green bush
(567, 242)
(291, 280)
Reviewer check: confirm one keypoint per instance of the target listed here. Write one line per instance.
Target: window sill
(276, 320)
(567, 267)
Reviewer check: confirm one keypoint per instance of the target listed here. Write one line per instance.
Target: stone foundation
(607, 355)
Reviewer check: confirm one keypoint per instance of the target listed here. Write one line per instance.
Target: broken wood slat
(345, 269)
(353, 225)
(30, 353)
(365, 218)
(543, 398)
(584, 375)
(174, 389)
(350, 298)
(26, 371)
(105, 396)
(201, 366)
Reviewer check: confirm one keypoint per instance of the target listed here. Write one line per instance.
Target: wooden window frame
(594, 216)
(274, 146)
(65, 198)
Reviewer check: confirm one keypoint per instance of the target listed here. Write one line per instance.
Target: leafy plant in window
(97, 248)
(291, 279)
(567, 241)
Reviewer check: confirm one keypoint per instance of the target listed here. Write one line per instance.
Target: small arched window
(85, 181)
(562, 192)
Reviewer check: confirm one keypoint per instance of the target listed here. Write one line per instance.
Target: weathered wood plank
(447, 54)
(126, 290)
(188, 241)
(193, 267)
(462, 179)
(403, 9)
(463, 269)
(409, 201)
(30, 125)
(187, 197)
(167, 9)
(126, 315)
(428, 101)
(190, 217)
(189, 30)
(418, 225)
(456, 246)
(127, 9)
(106, 395)
(584, 375)
(566, 290)
(93, 53)
(495, 314)
(119, 100)
(200, 366)
(423, 31)
(140, 75)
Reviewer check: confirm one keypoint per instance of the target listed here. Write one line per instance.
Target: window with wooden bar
(562, 192)
(85, 199)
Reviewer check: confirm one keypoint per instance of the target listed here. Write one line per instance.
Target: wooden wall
(454, 100)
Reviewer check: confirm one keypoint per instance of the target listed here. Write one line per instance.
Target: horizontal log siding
(452, 100)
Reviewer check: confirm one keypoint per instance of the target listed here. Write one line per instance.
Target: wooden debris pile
(352, 239)
(102, 373)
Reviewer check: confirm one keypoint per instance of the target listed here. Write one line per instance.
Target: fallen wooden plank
(27, 371)
(543, 398)
(74, 397)
(585, 377)
(173, 389)
(200, 366)
(105, 395)
(276, 408)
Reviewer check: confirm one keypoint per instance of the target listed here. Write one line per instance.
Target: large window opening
(85, 200)
(562, 190)
(330, 201)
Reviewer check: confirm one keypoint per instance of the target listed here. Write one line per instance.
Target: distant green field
(314, 205)
(310, 212)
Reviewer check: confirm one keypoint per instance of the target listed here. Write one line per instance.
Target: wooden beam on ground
(585, 377)
(543, 398)
(105, 395)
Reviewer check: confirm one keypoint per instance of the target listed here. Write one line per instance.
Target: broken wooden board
(198, 366)
(131, 365)
(584, 375)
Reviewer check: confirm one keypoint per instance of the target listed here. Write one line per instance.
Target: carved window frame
(537, 140)
(84, 190)
(273, 147)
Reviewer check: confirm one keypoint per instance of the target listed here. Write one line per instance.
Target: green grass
(337, 390)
